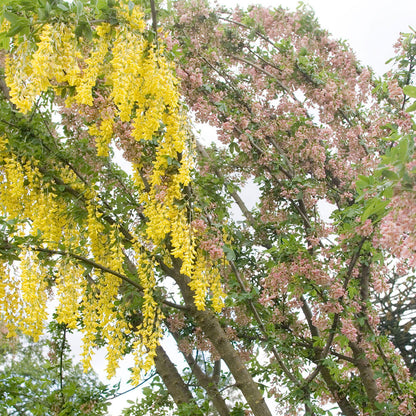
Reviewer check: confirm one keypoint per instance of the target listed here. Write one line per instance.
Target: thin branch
(106, 270)
(90, 263)
(135, 387)
(154, 16)
(265, 72)
(246, 212)
(61, 366)
(262, 326)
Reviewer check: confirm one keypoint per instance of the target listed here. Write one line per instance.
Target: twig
(61, 365)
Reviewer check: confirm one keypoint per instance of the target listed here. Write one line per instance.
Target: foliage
(313, 318)
(41, 379)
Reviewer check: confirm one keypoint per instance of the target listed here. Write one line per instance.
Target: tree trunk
(211, 327)
(171, 378)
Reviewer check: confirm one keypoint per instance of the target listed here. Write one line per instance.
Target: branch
(133, 388)
(206, 382)
(61, 364)
(210, 325)
(5, 90)
(276, 354)
(171, 378)
(246, 212)
(106, 270)
(265, 72)
(154, 16)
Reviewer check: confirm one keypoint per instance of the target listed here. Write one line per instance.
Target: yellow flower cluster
(127, 71)
(149, 331)
(33, 293)
(9, 299)
(70, 285)
(38, 211)
(99, 312)
(4, 272)
(92, 66)
(23, 196)
(24, 297)
(103, 135)
(134, 17)
(207, 277)
(143, 90)
(56, 61)
(99, 302)
(65, 65)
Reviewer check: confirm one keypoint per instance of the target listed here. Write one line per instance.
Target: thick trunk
(213, 330)
(366, 372)
(362, 362)
(338, 394)
(211, 327)
(171, 378)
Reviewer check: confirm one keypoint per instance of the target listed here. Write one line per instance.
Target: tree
(40, 379)
(284, 304)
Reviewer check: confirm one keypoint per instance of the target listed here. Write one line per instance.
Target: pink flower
(199, 225)
(349, 330)
(395, 92)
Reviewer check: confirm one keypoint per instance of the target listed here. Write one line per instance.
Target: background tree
(131, 258)
(41, 379)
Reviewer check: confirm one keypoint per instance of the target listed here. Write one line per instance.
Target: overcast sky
(371, 27)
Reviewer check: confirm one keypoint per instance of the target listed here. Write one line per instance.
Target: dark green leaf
(229, 253)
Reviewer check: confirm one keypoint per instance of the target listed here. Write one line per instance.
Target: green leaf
(4, 41)
(234, 148)
(411, 107)
(11, 17)
(15, 29)
(84, 30)
(410, 90)
(79, 8)
(62, 6)
(229, 253)
(389, 174)
(377, 207)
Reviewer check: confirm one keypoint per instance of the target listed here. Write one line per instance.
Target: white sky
(371, 27)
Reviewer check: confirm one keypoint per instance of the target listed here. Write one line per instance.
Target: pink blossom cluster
(395, 92)
(185, 346)
(176, 322)
(366, 229)
(348, 329)
(199, 226)
(213, 246)
(397, 229)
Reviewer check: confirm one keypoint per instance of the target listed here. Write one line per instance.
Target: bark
(362, 362)
(366, 371)
(211, 327)
(207, 383)
(171, 378)
(338, 394)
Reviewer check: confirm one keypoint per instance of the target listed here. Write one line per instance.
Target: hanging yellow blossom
(141, 89)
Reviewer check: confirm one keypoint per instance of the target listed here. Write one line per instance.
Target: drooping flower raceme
(140, 89)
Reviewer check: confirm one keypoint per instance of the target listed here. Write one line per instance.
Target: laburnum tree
(281, 310)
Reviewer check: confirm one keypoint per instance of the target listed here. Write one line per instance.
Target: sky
(371, 27)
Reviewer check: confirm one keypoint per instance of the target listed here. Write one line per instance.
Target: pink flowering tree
(302, 207)
(322, 306)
